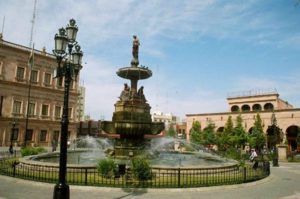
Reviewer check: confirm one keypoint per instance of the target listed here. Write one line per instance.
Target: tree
(257, 138)
(208, 135)
(223, 141)
(195, 132)
(171, 131)
(240, 137)
(275, 134)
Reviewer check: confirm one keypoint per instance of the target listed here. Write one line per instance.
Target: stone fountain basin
(132, 128)
(172, 159)
(134, 73)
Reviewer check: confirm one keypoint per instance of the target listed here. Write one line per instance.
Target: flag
(31, 58)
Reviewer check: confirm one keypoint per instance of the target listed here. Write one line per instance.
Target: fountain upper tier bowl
(134, 73)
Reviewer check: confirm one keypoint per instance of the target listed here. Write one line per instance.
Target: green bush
(233, 153)
(32, 151)
(107, 168)
(141, 169)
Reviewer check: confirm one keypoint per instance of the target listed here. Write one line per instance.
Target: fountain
(131, 122)
(132, 133)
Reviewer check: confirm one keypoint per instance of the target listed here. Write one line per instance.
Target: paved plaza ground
(284, 183)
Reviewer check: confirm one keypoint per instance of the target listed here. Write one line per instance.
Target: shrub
(233, 153)
(141, 169)
(32, 151)
(107, 168)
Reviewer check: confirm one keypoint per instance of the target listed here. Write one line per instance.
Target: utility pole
(3, 25)
(30, 65)
(32, 24)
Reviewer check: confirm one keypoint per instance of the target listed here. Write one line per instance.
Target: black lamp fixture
(69, 65)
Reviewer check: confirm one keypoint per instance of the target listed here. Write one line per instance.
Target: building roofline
(25, 48)
(226, 113)
(252, 93)
(252, 96)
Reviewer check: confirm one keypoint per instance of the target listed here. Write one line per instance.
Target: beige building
(81, 103)
(167, 118)
(248, 104)
(44, 109)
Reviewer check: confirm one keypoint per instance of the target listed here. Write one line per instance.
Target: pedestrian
(253, 158)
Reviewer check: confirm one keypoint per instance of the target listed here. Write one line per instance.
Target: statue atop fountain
(132, 119)
(135, 51)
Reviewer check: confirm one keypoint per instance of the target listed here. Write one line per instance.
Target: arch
(235, 108)
(205, 129)
(245, 108)
(268, 107)
(250, 130)
(220, 129)
(256, 107)
(291, 136)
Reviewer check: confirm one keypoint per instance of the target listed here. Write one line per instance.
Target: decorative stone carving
(125, 94)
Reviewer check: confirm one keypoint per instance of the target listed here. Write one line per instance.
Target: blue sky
(199, 51)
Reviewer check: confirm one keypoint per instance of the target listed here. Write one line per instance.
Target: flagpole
(30, 66)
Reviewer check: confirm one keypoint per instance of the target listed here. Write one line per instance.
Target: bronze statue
(140, 93)
(135, 50)
(125, 94)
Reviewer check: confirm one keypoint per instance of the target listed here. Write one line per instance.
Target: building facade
(36, 105)
(266, 103)
(81, 103)
(168, 118)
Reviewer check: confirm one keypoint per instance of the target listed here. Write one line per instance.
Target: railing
(161, 177)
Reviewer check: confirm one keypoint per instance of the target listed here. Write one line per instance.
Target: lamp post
(69, 65)
(11, 148)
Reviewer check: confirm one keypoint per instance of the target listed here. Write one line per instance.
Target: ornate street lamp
(69, 65)
(13, 129)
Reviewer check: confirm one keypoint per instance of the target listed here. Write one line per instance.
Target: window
(34, 76)
(1, 66)
(268, 107)
(235, 108)
(71, 84)
(15, 133)
(256, 107)
(1, 104)
(20, 73)
(47, 79)
(56, 135)
(45, 109)
(70, 113)
(57, 112)
(29, 134)
(17, 107)
(60, 82)
(245, 108)
(43, 135)
(31, 109)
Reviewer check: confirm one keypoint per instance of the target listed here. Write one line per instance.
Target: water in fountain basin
(172, 152)
(92, 143)
(162, 152)
(89, 150)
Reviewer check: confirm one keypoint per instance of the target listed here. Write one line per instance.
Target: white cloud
(286, 85)
(106, 27)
